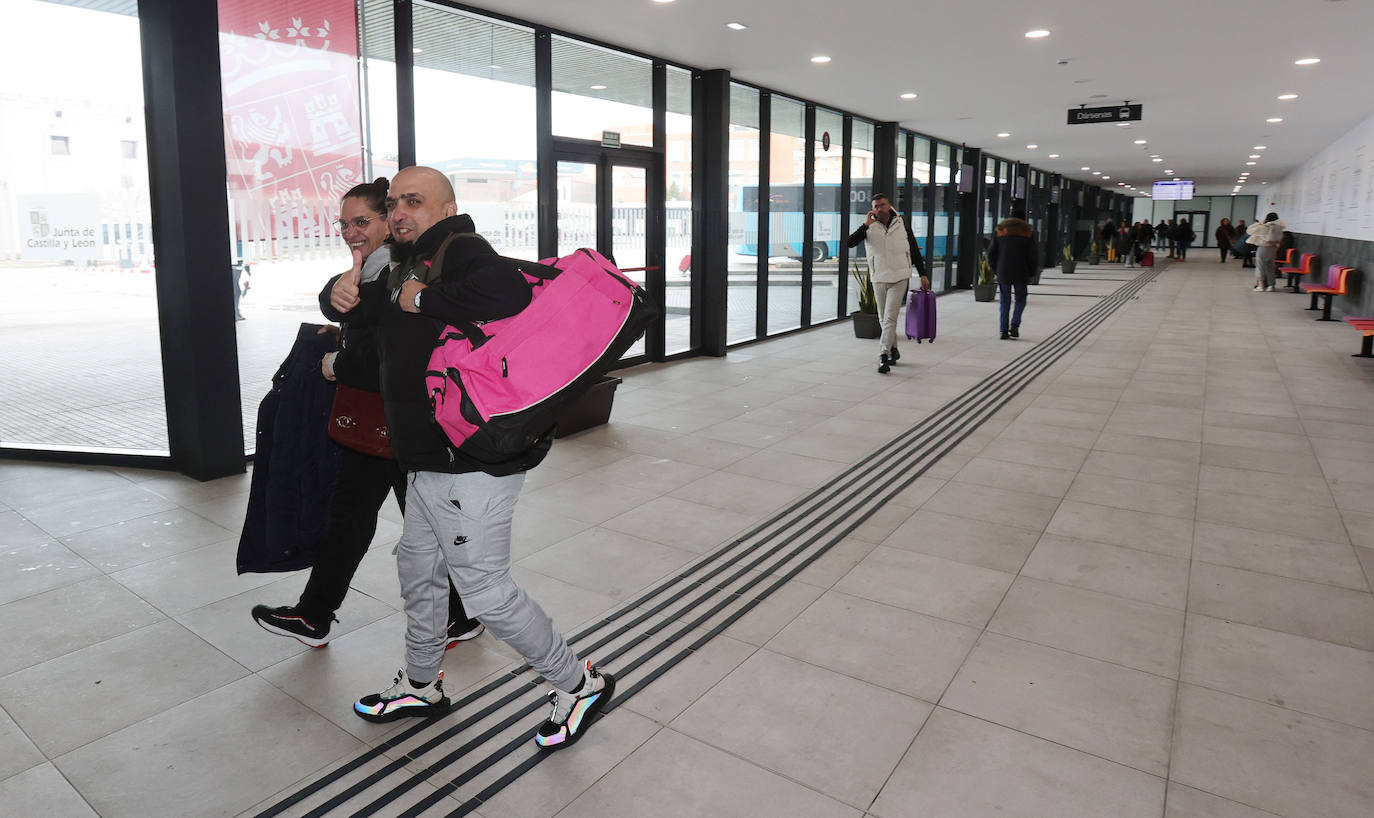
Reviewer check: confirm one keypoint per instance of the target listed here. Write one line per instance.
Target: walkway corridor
(1140, 585)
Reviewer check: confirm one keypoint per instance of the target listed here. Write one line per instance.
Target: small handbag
(357, 421)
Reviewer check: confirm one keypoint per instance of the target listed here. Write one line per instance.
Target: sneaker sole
(433, 711)
(308, 641)
(593, 714)
(467, 637)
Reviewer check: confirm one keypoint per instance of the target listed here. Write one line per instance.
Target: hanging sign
(1114, 113)
(610, 139)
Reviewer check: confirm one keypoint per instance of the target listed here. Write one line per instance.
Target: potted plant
(986, 288)
(1094, 254)
(1069, 264)
(866, 317)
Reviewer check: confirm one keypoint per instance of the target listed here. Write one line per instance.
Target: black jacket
(1014, 257)
(474, 285)
(296, 465)
(359, 357)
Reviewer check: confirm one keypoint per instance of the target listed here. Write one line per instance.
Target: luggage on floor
(920, 316)
(1147, 260)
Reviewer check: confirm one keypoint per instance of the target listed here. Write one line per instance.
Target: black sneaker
(463, 631)
(404, 699)
(893, 355)
(1015, 330)
(287, 621)
(1006, 336)
(573, 713)
(884, 365)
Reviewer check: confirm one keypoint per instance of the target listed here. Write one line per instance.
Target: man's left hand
(925, 283)
(407, 297)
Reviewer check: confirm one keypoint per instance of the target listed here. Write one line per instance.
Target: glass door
(603, 196)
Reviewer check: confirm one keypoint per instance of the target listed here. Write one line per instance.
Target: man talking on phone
(892, 251)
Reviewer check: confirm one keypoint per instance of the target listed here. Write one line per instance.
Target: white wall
(1332, 194)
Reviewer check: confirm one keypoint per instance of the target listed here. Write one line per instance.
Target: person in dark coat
(1226, 236)
(364, 479)
(1162, 235)
(1183, 236)
(1109, 233)
(1014, 258)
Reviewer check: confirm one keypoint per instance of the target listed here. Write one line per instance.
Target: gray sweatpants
(889, 296)
(459, 526)
(1265, 258)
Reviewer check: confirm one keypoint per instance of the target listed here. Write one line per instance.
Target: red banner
(291, 114)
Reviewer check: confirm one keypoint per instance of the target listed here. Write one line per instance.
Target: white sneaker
(1259, 288)
(1268, 289)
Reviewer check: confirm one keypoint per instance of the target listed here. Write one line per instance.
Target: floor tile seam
(1285, 707)
(988, 628)
(1317, 582)
(1274, 630)
(1020, 574)
(1242, 525)
(1162, 779)
(1228, 799)
(759, 766)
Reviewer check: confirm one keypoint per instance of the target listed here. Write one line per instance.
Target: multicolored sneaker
(287, 621)
(404, 699)
(463, 631)
(574, 712)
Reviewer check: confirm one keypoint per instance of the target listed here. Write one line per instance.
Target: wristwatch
(417, 300)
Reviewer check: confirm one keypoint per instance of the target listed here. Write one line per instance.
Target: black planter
(1067, 267)
(592, 409)
(1094, 260)
(984, 292)
(866, 325)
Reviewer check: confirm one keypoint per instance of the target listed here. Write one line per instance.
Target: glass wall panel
(786, 219)
(74, 209)
(861, 197)
(294, 128)
(920, 196)
(829, 219)
(903, 200)
(990, 194)
(942, 238)
(678, 127)
(490, 67)
(743, 270)
(381, 144)
(597, 90)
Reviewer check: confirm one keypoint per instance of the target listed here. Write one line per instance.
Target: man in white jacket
(892, 251)
(1266, 236)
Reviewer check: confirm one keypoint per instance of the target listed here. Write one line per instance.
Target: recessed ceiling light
(1274, 119)
(1249, 163)
(1288, 96)
(908, 95)
(1003, 135)
(663, 1)
(1168, 171)
(1037, 33)
(417, 51)
(1084, 168)
(1156, 159)
(1260, 147)
(1264, 183)
(1154, 156)
(1123, 124)
(1054, 156)
(598, 87)
(1097, 173)
(820, 58)
(736, 26)
(1140, 141)
(1307, 61)
(1031, 147)
(494, 67)
(1104, 178)
(1245, 173)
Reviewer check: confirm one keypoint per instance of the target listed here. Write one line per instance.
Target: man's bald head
(419, 198)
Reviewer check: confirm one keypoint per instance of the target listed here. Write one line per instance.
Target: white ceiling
(1207, 71)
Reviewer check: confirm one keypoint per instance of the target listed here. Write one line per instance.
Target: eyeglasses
(361, 223)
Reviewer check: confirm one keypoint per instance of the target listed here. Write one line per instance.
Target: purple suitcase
(920, 316)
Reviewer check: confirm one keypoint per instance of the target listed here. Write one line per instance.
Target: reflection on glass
(596, 90)
(490, 67)
(743, 252)
(786, 215)
(629, 193)
(77, 223)
(830, 220)
(577, 183)
(920, 213)
(941, 235)
(860, 197)
(678, 215)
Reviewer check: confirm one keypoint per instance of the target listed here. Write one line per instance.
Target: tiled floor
(1142, 588)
